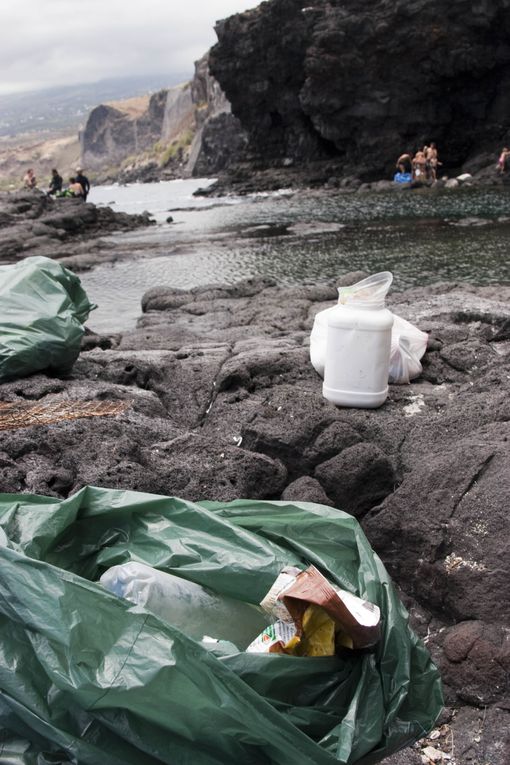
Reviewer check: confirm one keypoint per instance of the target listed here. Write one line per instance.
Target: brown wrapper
(312, 587)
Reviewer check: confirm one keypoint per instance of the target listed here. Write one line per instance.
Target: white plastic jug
(358, 344)
(186, 605)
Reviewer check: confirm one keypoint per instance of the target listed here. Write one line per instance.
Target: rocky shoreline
(244, 177)
(248, 178)
(218, 400)
(213, 396)
(70, 230)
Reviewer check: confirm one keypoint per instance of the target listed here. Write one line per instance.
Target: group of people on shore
(78, 186)
(422, 167)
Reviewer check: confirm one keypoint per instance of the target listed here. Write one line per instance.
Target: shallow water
(421, 236)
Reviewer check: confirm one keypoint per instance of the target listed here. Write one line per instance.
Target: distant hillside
(173, 132)
(44, 149)
(64, 109)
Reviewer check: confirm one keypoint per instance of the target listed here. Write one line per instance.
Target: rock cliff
(219, 138)
(182, 131)
(114, 137)
(342, 88)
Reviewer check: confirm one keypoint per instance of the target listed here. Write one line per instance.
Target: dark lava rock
(332, 440)
(223, 403)
(338, 89)
(222, 142)
(65, 228)
(306, 489)
(476, 662)
(359, 477)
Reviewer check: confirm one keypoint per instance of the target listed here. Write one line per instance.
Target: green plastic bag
(43, 309)
(86, 677)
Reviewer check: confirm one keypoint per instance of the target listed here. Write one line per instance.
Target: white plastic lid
(368, 293)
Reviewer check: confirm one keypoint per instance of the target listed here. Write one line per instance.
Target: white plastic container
(186, 605)
(358, 345)
(408, 344)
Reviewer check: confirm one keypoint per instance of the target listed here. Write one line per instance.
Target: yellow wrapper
(318, 638)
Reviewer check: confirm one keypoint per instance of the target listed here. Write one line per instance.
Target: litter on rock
(389, 348)
(44, 308)
(157, 668)
(25, 414)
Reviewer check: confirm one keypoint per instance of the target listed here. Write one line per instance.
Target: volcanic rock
(32, 223)
(188, 130)
(336, 89)
(223, 403)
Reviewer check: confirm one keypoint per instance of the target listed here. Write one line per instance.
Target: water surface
(422, 236)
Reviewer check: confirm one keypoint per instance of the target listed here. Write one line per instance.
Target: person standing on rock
(30, 181)
(503, 160)
(419, 166)
(432, 161)
(83, 181)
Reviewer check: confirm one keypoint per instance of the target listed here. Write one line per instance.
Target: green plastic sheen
(86, 677)
(42, 311)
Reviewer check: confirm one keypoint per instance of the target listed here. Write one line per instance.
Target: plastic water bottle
(186, 605)
(358, 344)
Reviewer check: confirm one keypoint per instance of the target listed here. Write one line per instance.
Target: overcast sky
(60, 42)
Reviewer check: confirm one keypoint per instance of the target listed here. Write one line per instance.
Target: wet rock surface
(70, 230)
(224, 403)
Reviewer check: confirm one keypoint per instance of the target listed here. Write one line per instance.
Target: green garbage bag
(43, 311)
(86, 677)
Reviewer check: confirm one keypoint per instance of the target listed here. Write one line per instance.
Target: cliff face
(107, 134)
(183, 131)
(356, 85)
(112, 135)
(219, 139)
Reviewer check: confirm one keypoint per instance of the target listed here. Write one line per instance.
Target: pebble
(433, 754)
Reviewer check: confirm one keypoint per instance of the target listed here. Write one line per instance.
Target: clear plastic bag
(369, 291)
(408, 344)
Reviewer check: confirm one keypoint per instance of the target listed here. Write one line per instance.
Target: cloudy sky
(60, 42)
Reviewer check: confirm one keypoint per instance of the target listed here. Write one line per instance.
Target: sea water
(421, 236)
